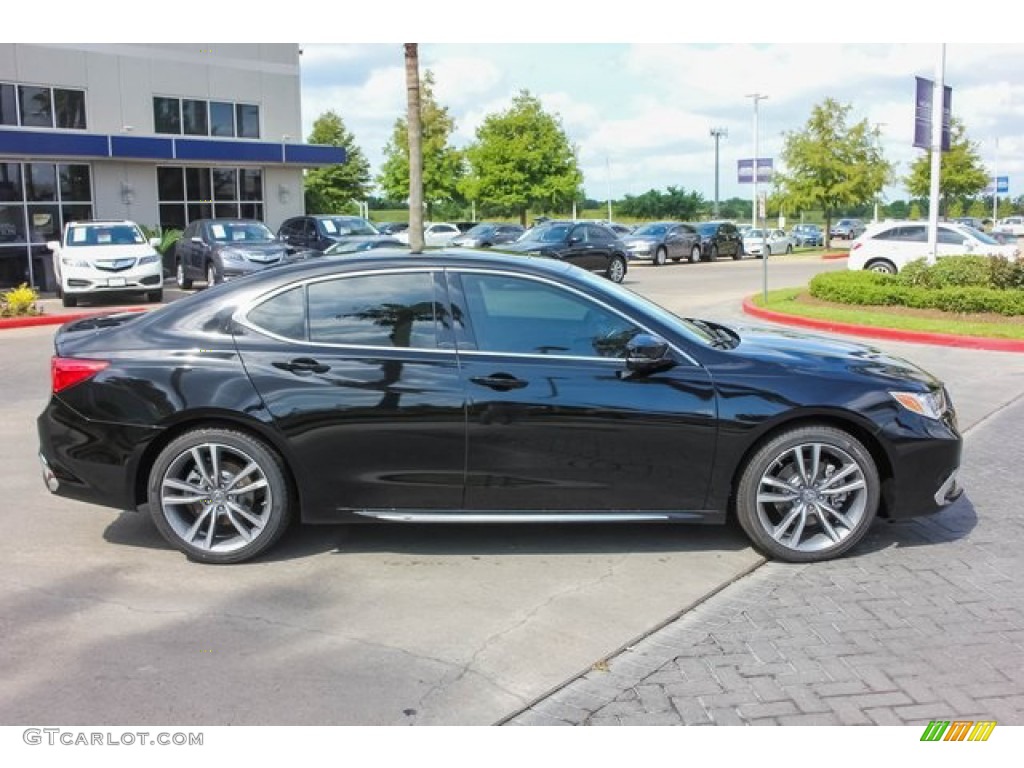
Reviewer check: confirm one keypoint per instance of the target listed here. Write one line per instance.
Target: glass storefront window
(208, 193)
(225, 186)
(248, 120)
(8, 105)
(10, 182)
(222, 119)
(41, 181)
(69, 108)
(36, 109)
(75, 183)
(166, 115)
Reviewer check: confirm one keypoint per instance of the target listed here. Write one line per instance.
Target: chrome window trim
(240, 315)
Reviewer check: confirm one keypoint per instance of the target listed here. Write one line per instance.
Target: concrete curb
(29, 321)
(889, 334)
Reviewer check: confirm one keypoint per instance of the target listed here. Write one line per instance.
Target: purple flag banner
(923, 114)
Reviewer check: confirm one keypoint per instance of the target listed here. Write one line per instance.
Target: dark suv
(719, 238)
(215, 250)
(590, 246)
(318, 233)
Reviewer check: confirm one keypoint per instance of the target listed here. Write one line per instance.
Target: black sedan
(584, 244)
(469, 386)
(719, 238)
(663, 240)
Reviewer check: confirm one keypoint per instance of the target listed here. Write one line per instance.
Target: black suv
(318, 233)
(587, 245)
(719, 238)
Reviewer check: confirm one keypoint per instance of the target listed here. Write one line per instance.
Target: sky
(640, 113)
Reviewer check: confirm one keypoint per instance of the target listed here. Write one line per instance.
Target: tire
(69, 301)
(789, 249)
(739, 253)
(179, 276)
(713, 256)
(208, 518)
(786, 499)
(660, 257)
(211, 274)
(695, 254)
(883, 266)
(155, 297)
(616, 271)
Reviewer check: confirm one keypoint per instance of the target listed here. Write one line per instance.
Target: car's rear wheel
(220, 496)
(695, 254)
(211, 274)
(883, 266)
(808, 494)
(616, 269)
(660, 257)
(789, 248)
(179, 276)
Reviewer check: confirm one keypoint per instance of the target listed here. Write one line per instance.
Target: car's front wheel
(155, 297)
(882, 266)
(808, 494)
(616, 269)
(179, 276)
(219, 495)
(660, 257)
(695, 254)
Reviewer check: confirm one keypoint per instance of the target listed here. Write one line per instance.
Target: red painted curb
(32, 320)
(891, 334)
(838, 255)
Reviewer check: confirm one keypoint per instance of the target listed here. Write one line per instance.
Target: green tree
(331, 189)
(676, 203)
(962, 174)
(830, 165)
(979, 210)
(955, 209)
(522, 160)
(915, 211)
(443, 165)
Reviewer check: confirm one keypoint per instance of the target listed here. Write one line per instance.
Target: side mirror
(575, 239)
(53, 245)
(647, 354)
(198, 241)
(154, 242)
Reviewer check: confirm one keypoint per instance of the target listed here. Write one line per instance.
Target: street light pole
(718, 133)
(764, 245)
(878, 136)
(608, 177)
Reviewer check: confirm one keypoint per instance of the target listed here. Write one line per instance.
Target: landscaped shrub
(19, 301)
(911, 288)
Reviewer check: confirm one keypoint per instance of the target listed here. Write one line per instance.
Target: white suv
(1012, 225)
(891, 246)
(99, 257)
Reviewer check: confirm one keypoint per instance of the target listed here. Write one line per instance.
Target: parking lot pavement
(923, 621)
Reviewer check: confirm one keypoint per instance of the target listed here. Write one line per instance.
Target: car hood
(257, 252)
(804, 351)
(101, 252)
(531, 247)
(629, 239)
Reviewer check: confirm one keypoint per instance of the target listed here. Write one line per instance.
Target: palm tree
(412, 87)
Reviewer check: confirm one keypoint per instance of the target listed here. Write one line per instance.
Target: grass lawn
(797, 301)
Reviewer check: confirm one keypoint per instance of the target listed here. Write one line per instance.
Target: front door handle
(303, 365)
(502, 382)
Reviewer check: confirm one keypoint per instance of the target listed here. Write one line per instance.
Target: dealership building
(161, 134)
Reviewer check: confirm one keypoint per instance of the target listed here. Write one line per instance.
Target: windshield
(105, 234)
(481, 229)
(979, 235)
(348, 225)
(652, 229)
(240, 232)
(754, 233)
(707, 230)
(555, 233)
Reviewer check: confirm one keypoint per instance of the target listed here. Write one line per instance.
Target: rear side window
(387, 310)
(283, 314)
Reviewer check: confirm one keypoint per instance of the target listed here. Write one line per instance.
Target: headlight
(928, 404)
(68, 261)
(640, 247)
(153, 259)
(232, 255)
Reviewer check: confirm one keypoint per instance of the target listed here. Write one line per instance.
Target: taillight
(67, 371)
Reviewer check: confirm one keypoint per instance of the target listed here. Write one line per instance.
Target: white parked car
(1011, 225)
(435, 234)
(891, 246)
(102, 257)
(776, 240)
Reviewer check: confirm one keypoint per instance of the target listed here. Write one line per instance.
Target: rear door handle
(303, 365)
(502, 382)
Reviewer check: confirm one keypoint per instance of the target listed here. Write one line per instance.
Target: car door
(200, 247)
(579, 250)
(676, 242)
(360, 375)
(553, 422)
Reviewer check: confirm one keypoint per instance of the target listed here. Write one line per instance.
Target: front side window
(523, 316)
(386, 310)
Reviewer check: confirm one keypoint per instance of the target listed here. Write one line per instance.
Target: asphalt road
(103, 623)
